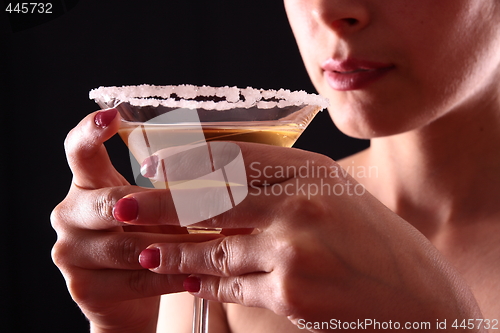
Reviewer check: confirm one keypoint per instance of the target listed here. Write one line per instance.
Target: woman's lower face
(393, 66)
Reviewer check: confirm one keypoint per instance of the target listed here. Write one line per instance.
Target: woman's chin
(364, 127)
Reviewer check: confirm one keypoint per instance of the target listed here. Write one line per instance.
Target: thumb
(86, 154)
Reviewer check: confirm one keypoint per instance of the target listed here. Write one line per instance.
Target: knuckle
(232, 291)
(59, 254)
(81, 288)
(78, 143)
(57, 217)
(68, 141)
(80, 285)
(72, 145)
(62, 250)
(236, 289)
(177, 260)
(128, 251)
(103, 205)
(220, 257)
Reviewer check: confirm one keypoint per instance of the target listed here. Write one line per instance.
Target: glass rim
(194, 97)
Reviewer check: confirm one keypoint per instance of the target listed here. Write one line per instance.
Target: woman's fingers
(263, 290)
(156, 207)
(264, 164)
(269, 182)
(226, 256)
(86, 154)
(84, 209)
(114, 286)
(247, 290)
(261, 208)
(117, 206)
(113, 250)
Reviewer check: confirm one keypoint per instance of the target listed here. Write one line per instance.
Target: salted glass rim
(184, 96)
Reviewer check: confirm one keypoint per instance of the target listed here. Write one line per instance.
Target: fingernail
(150, 258)
(104, 118)
(126, 209)
(148, 167)
(192, 284)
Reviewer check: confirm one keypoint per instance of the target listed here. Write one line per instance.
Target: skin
(420, 245)
(445, 56)
(446, 79)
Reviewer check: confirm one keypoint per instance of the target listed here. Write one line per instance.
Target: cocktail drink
(182, 126)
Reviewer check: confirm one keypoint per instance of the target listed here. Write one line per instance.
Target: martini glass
(170, 121)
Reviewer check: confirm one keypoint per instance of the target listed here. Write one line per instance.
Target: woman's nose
(341, 16)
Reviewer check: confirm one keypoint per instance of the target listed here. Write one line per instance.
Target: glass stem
(200, 315)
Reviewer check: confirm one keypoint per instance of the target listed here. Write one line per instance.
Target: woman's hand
(98, 254)
(324, 249)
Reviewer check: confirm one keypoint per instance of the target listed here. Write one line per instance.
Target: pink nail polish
(103, 118)
(150, 258)
(126, 209)
(192, 284)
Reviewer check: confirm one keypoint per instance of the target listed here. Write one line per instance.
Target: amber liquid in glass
(283, 135)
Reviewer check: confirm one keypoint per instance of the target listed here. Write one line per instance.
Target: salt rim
(145, 95)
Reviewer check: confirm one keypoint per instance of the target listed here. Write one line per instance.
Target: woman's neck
(446, 172)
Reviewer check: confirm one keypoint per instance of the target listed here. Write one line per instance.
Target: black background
(49, 62)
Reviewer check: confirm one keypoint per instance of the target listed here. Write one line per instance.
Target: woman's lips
(353, 74)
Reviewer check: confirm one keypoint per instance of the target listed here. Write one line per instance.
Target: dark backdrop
(49, 62)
